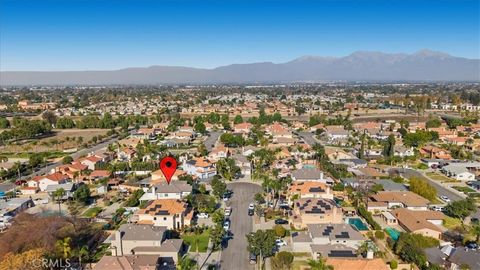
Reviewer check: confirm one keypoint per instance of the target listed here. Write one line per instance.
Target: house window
(154, 218)
(164, 218)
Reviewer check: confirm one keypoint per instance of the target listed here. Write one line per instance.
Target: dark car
(281, 221)
(253, 258)
(250, 212)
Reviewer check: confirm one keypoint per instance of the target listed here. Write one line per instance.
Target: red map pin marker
(168, 166)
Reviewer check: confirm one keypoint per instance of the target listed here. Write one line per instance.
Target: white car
(445, 199)
(251, 206)
(280, 242)
(202, 215)
(226, 225)
(228, 211)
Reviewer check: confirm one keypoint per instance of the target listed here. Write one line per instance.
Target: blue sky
(102, 35)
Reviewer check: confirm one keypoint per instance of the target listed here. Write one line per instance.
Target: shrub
(280, 230)
(393, 264)
(380, 235)
(368, 217)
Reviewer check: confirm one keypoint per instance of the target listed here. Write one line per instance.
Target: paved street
(441, 190)
(235, 256)
(308, 138)
(212, 139)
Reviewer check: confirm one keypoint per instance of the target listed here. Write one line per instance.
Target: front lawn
(451, 223)
(191, 239)
(464, 189)
(92, 212)
(439, 177)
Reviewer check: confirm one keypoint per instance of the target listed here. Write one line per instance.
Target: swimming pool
(394, 234)
(309, 166)
(358, 223)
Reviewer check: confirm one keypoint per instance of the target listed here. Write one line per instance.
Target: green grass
(92, 212)
(464, 189)
(302, 254)
(438, 177)
(297, 265)
(190, 239)
(451, 223)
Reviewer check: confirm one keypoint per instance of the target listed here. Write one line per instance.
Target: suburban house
(310, 174)
(126, 154)
(435, 152)
(164, 190)
(421, 222)
(13, 206)
(309, 189)
(91, 161)
(357, 264)
(243, 163)
(137, 239)
(384, 200)
(328, 240)
(463, 171)
(202, 168)
(159, 177)
(310, 211)
(42, 182)
(129, 262)
(68, 189)
(170, 213)
(243, 128)
(218, 152)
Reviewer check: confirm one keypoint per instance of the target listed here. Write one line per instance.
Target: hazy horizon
(54, 35)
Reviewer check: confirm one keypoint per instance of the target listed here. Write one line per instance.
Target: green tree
(433, 123)
(82, 194)
(389, 146)
(67, 160)
(282, 260)
(200, 128)
(262, 243)
(63, 246)
(227, 169)
(34, 160)
(460, 209)
(219, 187)
(319, 264)
(279, 231)
(238, 119)
(186, 263)
(4, 123)
(58, 196)
(422, 188)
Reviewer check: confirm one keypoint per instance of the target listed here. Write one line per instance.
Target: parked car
(281, 221)
(250, 212)
(202, 215)
(472, 246)
(228, 211)
(445, 199)
(280, 242)
(251, 206)
(253, 258)
(226, 225)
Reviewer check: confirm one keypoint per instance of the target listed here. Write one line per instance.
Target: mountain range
(424, 65)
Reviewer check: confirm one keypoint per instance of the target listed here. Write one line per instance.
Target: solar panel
(342, 253)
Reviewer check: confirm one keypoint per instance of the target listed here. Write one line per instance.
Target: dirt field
(61, 140)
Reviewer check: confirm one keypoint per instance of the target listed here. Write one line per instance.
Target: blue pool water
(308, 166)
(394, 234)
(358, 223)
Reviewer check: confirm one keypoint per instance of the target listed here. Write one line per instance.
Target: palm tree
(476, 231)
(186, 263)
(58, 195)
(319, 264)
(64, 246)
(84, 254)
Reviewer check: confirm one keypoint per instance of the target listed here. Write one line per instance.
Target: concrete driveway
(235, 256)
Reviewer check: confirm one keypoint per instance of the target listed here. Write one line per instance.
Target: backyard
(192, 240)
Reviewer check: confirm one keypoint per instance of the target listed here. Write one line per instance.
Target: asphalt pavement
(212, 139)
(235, 256)
(441, 189)
(308, 137)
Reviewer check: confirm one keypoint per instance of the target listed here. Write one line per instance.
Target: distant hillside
(423, 65)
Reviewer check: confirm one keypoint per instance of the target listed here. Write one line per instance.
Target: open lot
(59, 140)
